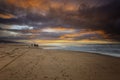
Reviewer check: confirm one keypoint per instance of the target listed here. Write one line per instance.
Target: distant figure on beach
(34, 45)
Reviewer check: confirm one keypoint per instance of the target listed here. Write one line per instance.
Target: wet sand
(19, 62)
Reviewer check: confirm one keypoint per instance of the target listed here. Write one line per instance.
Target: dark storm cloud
(110, 22)
(24, 13)
(106, 18)
(103, 15)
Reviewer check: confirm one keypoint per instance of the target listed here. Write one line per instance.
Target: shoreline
(27, 46)
(97, 53)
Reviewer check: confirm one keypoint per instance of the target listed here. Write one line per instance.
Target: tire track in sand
(23, 53)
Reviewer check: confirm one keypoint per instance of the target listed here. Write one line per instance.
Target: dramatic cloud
(60, 20)
(92, 35)
(6, 16)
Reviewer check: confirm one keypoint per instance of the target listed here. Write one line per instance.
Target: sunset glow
(60, 21)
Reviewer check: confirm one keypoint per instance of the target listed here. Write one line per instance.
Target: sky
(60, 21)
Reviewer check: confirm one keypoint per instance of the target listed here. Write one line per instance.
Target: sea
(104, 49)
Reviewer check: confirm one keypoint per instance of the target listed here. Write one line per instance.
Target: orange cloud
(33, 31)
(74, 35)
(6, 16)
(43, 5)
(64, 6)
(31, 4)
(71, 7)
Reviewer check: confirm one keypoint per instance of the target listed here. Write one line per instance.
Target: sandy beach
(19, 62)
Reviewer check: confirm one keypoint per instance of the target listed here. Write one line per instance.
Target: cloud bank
(60, 19)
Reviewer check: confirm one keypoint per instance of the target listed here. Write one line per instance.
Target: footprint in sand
(45, 76)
